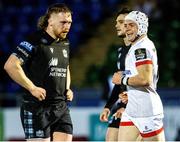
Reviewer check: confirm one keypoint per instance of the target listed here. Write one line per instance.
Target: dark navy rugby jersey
(122, 51)
(117, 89)
(45, 63)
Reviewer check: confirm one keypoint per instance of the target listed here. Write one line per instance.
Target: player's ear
(51, 20)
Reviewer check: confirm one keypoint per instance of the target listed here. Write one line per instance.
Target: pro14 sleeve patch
(140, 54)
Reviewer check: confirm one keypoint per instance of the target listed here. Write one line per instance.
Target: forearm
(139, 81)
(143, 78)
(122, 105)
(114, 96)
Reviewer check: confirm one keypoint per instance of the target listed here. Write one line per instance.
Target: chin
(130, 38)
(62, 36)
(119, 34)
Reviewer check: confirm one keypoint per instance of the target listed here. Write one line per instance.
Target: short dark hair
(54, 8)
(124, 10)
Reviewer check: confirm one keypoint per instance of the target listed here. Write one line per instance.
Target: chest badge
(65, 53)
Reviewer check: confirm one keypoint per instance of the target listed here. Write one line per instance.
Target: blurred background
(94, 47)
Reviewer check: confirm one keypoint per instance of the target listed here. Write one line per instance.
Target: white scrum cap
(140, 19)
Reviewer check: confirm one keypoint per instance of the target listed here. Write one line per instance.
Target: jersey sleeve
(24, 51)
(142, 56)
(117, 89)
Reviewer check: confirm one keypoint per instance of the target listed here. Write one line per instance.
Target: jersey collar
(47, 37)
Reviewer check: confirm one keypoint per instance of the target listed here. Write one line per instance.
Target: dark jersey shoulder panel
(45, 64)
(27, 47)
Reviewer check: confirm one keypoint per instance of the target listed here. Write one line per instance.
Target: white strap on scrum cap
(140, 19)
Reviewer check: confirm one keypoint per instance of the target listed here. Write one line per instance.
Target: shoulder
(140, 49)
(30, 42)
(34, 38)
(145, 44)
(39, 37)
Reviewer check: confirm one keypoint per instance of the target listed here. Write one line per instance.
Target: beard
(62, 35)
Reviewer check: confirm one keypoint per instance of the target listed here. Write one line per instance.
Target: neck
(138, 38)
(51, 33)
(126, 41)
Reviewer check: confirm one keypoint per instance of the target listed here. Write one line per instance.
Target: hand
(69, 95)
(116, 79)
(119, 112)
(104, 115)
(39, 93)
(124, 97)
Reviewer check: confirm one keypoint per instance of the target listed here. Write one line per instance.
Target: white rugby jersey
(142, 101)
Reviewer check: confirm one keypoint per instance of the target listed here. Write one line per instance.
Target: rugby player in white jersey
(144, 111)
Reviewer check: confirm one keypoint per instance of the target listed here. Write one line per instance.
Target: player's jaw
(130, 36)
(62, 34)
(120, 33)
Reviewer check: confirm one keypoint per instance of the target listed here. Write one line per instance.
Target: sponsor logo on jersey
(20, 58)
(65, 53)
(58, 72)
(53, 62)
(140, 54)
(23, 51)
(26, 45)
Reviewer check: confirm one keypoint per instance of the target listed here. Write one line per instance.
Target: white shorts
(148, 126)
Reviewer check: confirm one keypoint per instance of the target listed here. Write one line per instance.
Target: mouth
(64, 32)
(118, 30)
(129, 34)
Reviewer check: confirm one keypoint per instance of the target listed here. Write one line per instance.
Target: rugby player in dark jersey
(40, 64)
(112, 104)
(115, 107)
